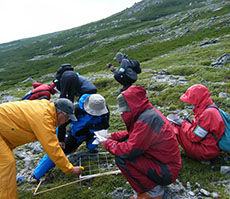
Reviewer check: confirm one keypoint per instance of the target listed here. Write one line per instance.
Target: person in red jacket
(147, 153)
(195, 137)
(40, 91)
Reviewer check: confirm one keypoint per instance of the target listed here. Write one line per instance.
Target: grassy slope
(182, 56)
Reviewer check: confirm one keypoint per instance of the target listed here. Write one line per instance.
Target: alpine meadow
(177, 42)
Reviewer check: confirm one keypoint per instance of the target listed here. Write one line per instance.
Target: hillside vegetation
(176, 42)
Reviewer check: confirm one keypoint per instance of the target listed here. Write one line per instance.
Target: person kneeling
(147, 153)
(92, 115)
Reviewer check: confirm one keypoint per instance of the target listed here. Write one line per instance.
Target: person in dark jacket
(147, 153)
(72, 84)
(125, 75)
(92, 115)
(69, 84)
(195, 137)
(40, 91)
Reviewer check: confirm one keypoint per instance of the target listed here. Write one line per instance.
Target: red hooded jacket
(46, 90)
(195, 138)
(149, 134)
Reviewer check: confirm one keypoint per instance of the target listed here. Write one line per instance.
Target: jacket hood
(82, 101)
(138, 103)
(199, 96)
(52, 88)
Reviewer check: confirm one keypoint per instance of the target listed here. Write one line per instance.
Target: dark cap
(118, 56)
(66, 106)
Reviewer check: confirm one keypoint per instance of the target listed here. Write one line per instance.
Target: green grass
(178, 56)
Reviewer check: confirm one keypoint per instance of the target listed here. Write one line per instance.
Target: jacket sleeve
(120, 135)
(36, 84)
(140, 139)
(104, 124)
(203, 125)
(188, 128)
(80, 123)
(46, 134)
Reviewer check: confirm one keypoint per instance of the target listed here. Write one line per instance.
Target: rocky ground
(28, 156)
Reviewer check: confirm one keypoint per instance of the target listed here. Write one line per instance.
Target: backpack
(29, 93)
(60, 71)
(135, 65)
(224, 142)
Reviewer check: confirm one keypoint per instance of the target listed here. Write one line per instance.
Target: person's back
(125, 64)
(85, 86)
(42, 91)
(69, 84)
(26, 121)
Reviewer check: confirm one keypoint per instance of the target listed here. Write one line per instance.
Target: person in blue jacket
(92, 115)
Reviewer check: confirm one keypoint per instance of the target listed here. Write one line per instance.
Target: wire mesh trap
(95, 165)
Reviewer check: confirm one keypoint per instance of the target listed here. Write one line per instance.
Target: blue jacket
(85, 120)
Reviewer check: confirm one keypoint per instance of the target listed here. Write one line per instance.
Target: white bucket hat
(95, 105)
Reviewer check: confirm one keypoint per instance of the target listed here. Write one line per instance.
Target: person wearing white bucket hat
(95, 105)
(92, 115)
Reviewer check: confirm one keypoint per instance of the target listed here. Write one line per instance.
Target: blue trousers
(72, 143)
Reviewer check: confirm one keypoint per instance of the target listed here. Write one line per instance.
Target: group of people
(147, 152)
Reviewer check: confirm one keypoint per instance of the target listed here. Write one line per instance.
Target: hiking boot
(174, 119)
(145, 196)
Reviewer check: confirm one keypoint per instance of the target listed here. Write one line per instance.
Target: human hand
(77, 171)
(109, 136)
(62, 144)
(111, 68)
(102, 143)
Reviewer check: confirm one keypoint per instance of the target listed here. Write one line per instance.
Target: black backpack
(135, 65)
(61, 70)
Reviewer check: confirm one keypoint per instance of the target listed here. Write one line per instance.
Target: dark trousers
(72, 143)
(123, 79)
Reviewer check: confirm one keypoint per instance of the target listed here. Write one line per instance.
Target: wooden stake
(76, 181)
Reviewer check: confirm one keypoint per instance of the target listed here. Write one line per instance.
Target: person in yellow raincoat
(26, 121)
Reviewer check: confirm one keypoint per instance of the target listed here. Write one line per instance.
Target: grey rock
(28, 79)
(225, 170)
(204, 192)
(215, 195)
(189, 186)
(191, 193)
(9, 99)
(223, 95)
(221, 61)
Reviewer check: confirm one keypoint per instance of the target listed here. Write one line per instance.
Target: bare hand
(102, 143)
(62, 144)
(77, 171)
(111, 68)
(109, 136)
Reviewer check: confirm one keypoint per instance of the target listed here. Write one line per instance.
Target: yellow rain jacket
(26, 121)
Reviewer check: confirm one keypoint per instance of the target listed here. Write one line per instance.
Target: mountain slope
(147, 29)
(176, 43)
